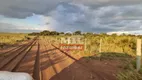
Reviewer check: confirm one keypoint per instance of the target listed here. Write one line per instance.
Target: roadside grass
(109, 56)
(129, 71)
(7, 39)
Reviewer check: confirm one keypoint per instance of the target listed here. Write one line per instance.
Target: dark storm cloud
(25, 8)
(85, 15)
(97, 3)
(71, 16)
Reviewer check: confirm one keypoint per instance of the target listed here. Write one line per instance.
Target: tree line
(52, 33)
(48, 33)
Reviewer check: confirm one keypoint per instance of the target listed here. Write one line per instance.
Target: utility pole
(138, 65)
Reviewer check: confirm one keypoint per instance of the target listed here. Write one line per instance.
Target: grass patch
(129, 71)
(12, 38)
(109, 56)
(114, 55)
(129, 75)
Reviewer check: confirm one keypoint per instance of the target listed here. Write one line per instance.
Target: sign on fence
(72, 43)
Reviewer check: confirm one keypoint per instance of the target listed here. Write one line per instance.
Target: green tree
(68, 34)
(54, 33)
(45, 32)
(62, 33)
(77, 33)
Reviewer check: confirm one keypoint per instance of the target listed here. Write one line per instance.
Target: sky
(71, 15)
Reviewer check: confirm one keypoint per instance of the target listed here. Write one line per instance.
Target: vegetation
(112, 43)
(77, 33)
(46, 33)
(12, 38)
(129, 71)
(125, 44)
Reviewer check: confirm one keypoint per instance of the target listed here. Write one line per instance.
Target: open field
(44, 60)
(7, 39)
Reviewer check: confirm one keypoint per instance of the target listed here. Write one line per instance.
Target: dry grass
(12, 38)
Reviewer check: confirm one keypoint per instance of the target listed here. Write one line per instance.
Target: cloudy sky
(71, 15)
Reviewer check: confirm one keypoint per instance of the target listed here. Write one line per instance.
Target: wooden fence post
(138, 65)
(100, 49)
(85, 45)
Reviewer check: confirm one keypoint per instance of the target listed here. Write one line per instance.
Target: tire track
(17, 60)
(11, 49)
(57, 62)
(9, 53)
(36, 72)
(27, 63)
(11, 57)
